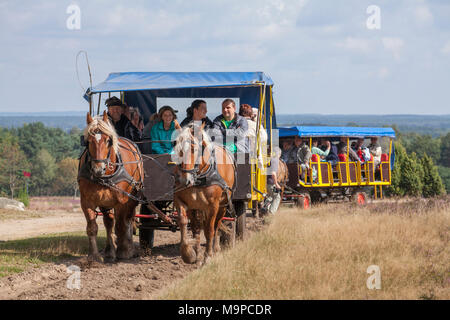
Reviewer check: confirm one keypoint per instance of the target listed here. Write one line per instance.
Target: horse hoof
(124, 256)
(95, 258)
(188, 254)
(109, 259)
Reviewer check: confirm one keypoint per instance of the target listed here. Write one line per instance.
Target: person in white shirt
(247, 112)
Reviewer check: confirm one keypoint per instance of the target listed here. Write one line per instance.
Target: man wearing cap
(121, 123)
(231, 127)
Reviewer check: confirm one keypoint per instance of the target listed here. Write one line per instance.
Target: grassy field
(18, 255)
(324, 253)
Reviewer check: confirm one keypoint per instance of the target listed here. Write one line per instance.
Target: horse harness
(212, 177)
(119, 175)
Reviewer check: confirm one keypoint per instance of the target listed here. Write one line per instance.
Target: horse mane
(185, 135)
(105, 127)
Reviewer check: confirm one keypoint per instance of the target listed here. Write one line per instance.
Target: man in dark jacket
(231, 128)
(333, 155)
(197, 112)
(122, 124)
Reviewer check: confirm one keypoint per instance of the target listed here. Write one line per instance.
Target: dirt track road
(139, 278)
(53, 222)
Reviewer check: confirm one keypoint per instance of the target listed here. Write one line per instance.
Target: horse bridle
(106, 161)
(195, 171)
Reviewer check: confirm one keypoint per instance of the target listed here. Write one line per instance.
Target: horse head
(102, 143)
(191, 153)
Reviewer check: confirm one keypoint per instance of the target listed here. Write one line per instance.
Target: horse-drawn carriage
(323, 180)
(142, 90)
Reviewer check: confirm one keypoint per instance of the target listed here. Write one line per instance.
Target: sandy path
(142, 277)
(55, 222)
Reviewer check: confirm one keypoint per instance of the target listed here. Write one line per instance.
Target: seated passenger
(246, 111)
(136, 119)
(197, 112)
(231, 128)
(162, 131)
(292, 153)
(287, 145)
(375, 150)
(316, 150)
(121, 123)
(332, 157)
(342, 149)
(303, 156)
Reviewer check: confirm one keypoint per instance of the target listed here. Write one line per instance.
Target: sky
(321, 55)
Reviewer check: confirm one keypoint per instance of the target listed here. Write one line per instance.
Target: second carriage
(344, 179)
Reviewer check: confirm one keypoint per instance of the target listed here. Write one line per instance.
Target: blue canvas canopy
(133, 81)
(141, 89)
(317, 131)
(355, 132)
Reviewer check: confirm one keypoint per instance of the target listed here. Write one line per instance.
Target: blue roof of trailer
(134, 81)
(316, 131)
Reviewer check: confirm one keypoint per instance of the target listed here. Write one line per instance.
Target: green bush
(23, 197)
(444, 172)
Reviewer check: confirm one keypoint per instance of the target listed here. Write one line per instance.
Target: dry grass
(69, 204)
(7, 214)
(324, 253)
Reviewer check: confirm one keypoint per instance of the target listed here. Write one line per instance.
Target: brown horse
(109, 170)
(204, 205)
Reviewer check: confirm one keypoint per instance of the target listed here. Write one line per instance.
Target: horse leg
(111, 246)
(209, 230)
(91, 230)
(124, 231)
(220, 215)
(196, 226)
(187, 252)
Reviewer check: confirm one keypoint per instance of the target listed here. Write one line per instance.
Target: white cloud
(355, 44)
(423, 15)
(394, 45)
(383, 72)
(446, 48)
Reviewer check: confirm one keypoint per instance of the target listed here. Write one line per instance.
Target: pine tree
(410, 181)
(432, 182)
(400, 154)
(445, 150)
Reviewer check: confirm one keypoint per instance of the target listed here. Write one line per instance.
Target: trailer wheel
(228, 233)
(360, 198)
(304, 202)
(239, 208)
(146, 238)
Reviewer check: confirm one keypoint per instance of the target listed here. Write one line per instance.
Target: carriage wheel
(360, 198)
(304, 202)
(239, 208)
(146, 238)
(228, 233)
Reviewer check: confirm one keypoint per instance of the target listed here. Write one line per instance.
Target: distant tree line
(416, 172)
(49, 154)
(422, 165)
